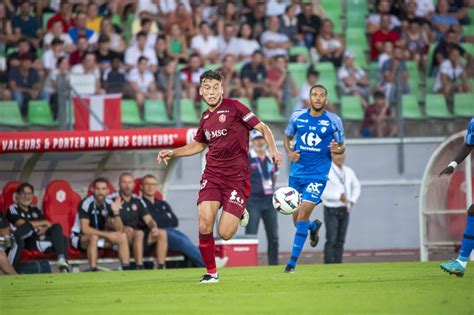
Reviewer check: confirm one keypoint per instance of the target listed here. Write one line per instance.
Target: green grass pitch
(382, 288)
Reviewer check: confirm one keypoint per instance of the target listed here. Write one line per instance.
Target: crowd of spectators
(144, 48)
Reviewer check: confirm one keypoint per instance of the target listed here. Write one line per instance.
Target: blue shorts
(310, 189)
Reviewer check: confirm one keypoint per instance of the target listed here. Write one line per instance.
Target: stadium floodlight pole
(400, 122)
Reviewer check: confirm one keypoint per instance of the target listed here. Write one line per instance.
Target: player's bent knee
(225, 235)
(470, 211)
(122, 239)
(93, 239)
(205, 227)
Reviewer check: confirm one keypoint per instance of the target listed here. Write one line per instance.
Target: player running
(224, 129)
(458, 266)
(318, 134)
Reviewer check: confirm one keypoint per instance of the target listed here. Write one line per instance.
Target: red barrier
(66, 141)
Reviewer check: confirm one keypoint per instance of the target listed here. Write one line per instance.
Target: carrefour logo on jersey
(215, 133)
(310, 140)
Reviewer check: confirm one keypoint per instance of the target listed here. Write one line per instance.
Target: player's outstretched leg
(207, 211)
(314, 228)
(302, 226)
(458, 266)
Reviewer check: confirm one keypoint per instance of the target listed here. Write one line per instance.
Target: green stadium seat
(155, 113)
(268, 110)
(411, 108)
(356, 35)
(188, 112)
(212, 66)
(468, 30)
(435, 106)
(351, 108)
(356, 20)
(10, 114)
(469, 47)
(300, 50)
(130, 113)
(359, 6)
(298, 72)
(39, 113)
(46, 17)
(244, 101)
(464, 105)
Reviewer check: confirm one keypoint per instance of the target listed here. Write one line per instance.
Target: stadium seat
(188, 112)
(298, 73)
(244, 101)
(155, 113)
(468, 30)
(356, 35)
(411, 108)
(46, 17)
(39, 113)
(356, 19)
(300, 50)
(464, 105)
(436, 106)
(130, 113)
(268, 110)
(10, 114)
(137, 190)
(90, 189)
(8, 194)
(351, 108)
(212, 66)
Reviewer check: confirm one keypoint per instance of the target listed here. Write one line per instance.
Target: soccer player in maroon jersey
(224, 129)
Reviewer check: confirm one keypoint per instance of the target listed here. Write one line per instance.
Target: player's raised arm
(275, 156)
(463, 153)
(187, 150)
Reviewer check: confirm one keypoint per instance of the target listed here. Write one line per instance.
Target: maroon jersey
(226, 132)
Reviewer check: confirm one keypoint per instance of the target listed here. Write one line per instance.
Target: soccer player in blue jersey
(319, 134)
(458, 266)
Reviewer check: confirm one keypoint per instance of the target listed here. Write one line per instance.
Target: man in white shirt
(228, 43)
(134, 52)
(373, 22)
(341, 193)
(273, 42)
(89, 66)
(424, 8)
(205, 44)
(452, 78)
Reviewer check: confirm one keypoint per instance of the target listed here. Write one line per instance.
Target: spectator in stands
(309, 24)
(231, 83)
(167, 84)
(391, 69)
(104, 55)
(89, 66)
(228, 43)
(458, 9)
(146, 24)
(262, 181)
(93, 18)
(56, 32)
(149, 9)
(381, 36)
(424, 8)
(81, 29)
(312, 78)
(34, 230)
(143, 84)
(442, 21)
(77, 56)
(135, 217)
(374, 22)
(205, 44)
(98, 225)
(24, 49)
(161, 50)
(64, 16)
(329, 45)
(353, 79)
(386, 54)
(176, 44)
(115, 80)
(6, 30)
(50, 87)
(190, 77)
(138, 50)
(410, 14)
(24, 82)
(231, 16)
(273, 42)
(167, 221)
(7, 242)
(182, 17)
(50, 56)
(117, 43)
(256, 18)
(247, 44)
(416, 42)
(289, 25)
(254, 77)
(281, 85)
(379, 118)
(450, 41)
(452, 77)
(26, 25)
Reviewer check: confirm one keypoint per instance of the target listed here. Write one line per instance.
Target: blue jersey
(470, 133)
(313, 136)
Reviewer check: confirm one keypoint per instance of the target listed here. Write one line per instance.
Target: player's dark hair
(144, 21)
(22, 187)
(141, 34)
(211, 75)
(149, 176)
(319, 86)
(100, 180)
(141, 58)
(379, 95)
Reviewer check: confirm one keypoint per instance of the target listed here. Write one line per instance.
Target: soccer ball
(286, 200)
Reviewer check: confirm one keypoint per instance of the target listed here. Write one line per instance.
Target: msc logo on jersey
(311, 139)
(236, 199)
(215, 134)
(314, 188)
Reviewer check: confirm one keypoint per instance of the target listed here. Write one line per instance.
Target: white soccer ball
(286, 200)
